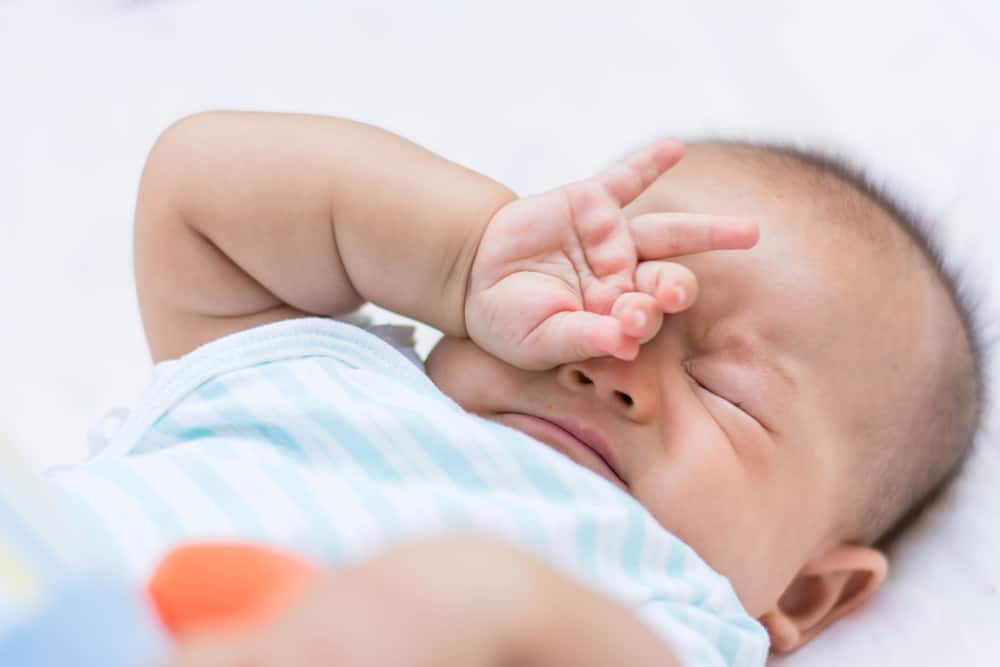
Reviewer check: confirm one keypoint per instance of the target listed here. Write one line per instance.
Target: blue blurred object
(59, 603)
(92, 622)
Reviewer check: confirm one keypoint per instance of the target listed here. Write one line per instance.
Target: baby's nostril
(581, 378)
(624, 398)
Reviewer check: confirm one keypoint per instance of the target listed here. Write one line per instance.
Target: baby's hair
(903, 479)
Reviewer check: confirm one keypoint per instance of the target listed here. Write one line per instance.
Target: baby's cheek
(701, 491)
(442, 365)
(465, 373)
(749, 441)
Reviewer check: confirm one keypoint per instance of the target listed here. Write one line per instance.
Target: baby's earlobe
(784, 634)
(826, 589)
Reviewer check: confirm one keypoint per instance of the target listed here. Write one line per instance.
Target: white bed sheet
(533, 94)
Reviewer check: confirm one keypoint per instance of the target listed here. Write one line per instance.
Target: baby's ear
(825, 589)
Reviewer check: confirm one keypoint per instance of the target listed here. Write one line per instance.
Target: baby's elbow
(174, 143)
(175, 163)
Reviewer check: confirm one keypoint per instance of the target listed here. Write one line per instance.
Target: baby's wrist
(456, 280)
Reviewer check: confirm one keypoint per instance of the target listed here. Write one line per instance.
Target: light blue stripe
(105, 544)
(729, 643)
(167, 426)
(681, 613)
(586, 542)
(229, 408)
(523, 449)
(437, 446)
(161, 513)
(332, 422)
(27, 541)
(532, 530)
(370, 458)
(702, 655)
(153, 440)
(675, 559)
(378, 507)
(634, 536)
(451, 510)
(428, 438)
(214, 485)
(353, 442)
(699, 593)
(447, 459)
(319, 519)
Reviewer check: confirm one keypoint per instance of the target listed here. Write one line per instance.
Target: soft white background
(533, 94)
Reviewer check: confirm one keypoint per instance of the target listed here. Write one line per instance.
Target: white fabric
(532, 94)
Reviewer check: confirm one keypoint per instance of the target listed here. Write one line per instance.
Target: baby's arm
(459, 601)
(246, 218)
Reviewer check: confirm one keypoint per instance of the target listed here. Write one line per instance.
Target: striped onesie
(316, 436)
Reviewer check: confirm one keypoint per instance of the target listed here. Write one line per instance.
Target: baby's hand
(564, 276)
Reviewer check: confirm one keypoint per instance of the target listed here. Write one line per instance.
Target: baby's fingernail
(640, 319)
(680, 295)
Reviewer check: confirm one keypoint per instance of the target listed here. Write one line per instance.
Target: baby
(727, 415)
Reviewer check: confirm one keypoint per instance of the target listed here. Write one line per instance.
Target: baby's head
(821, 388)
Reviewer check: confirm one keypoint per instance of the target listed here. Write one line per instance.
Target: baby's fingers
(639, 314)
(663, 235)
(627, 179)
(672, 285)
(577, 335)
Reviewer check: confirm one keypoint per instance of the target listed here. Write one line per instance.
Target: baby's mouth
(569, 439)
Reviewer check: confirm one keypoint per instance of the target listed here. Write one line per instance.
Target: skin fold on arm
(245, 218)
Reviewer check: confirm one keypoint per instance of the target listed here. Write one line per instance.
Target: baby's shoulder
(271, 375)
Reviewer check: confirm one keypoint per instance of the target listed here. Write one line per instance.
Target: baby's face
(733, 425)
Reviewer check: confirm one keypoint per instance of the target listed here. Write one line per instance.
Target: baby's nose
(608, 383)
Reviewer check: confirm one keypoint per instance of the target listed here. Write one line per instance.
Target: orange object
(211, 587)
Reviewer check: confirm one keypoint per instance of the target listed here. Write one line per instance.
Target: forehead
(809, 296)
(786, 292)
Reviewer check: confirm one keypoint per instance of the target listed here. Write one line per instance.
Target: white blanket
(533, 94)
